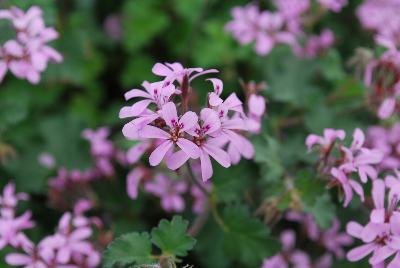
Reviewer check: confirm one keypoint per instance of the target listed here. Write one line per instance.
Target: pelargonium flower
(388, 142)
(175, 133)
(360, 159)
(347, 184)
(334, 241)
(327, 141)
(28, 55)
(381, 236)
(169, 191)
(315, 44)
(290, 256)
(334, 5)
(265, 28)
(177, 129)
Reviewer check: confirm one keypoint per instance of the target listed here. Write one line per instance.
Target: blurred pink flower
(334, 5)
(169, 191)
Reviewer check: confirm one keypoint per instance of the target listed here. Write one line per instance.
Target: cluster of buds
(28, 54)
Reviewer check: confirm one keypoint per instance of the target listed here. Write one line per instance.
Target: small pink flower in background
(200, 200)
(327, 141)
(132, 182)
(169, 191)
(315, 44)
(28, 55)
(112, 26)
(334, 5)
(99, 143)
(333, 240)
(347, 185)
(361, 159)
(256, 111)
(47, 160)
(292, 257)
(265, 28)
(388, 142)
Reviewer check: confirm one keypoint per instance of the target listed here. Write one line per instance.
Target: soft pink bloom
(348, 185)
(333, 240)
(388, 142)
(99, 143)
(169, 191)
(360, 159)
(177, 128)
(176, 72)
(112, 26)
(315, 44)
(381, 236)
(200, 200)
(28, 55)
(327, 141)
(334, 5)
(47, 160)
(265, 28)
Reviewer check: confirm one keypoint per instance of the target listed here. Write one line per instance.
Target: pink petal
(151, 132)
(378, 215)
(214, 99)
(17, 259)
(360, 252)
(161, 70)
(132, 182)
(170, 114)
(348, 194)
(217, 84)
(206, 167)
(378, 193)
(257, 105)
(358, 189)
(136, 152)
(176, 160)
(381, 254)
(387, 108)
(158, 154)
(218, 154)
(189, 148)
(139, 107)
(211, 119)
(188, 121)
(81, 233)
(134, 93)
(264, 44)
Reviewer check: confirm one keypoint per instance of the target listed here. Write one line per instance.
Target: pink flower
(177, 128)
(307, 221)
(327, 141)
(205, 138)
(176, 72)
(361, 159)
(112, 26)
(47, 160)
(334, 5)
(333, 240)
(11, 227)
(265, 28)
(382, 234)
(169, 191)
(200, 200)
(348, 185)
(99, 143)
(28, 55)
(315, 44)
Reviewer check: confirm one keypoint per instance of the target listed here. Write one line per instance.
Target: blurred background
(110, 47)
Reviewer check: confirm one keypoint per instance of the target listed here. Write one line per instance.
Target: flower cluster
(164, 125)
(388, 142)
(381, 17)
(28, 54)
(354, 159)
(68, 247)
(381, 236)
(292, 257)
(283, 26)
(75, 183)
(169, 190)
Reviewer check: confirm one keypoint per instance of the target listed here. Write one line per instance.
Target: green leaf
(132, 248)
(247, 239)
(171, 237)
(140, 28)
(267, 154)
(331, 66)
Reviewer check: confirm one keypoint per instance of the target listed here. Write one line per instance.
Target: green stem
(195, 181)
